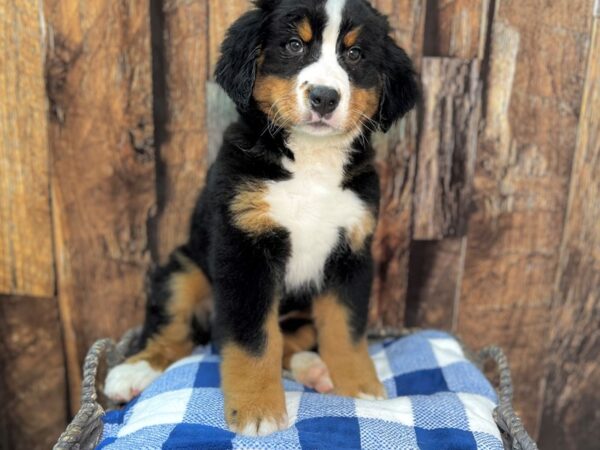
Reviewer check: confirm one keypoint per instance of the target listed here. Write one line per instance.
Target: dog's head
(319, 66)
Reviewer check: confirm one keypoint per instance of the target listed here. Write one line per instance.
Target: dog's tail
(179, 306)
(178, 312)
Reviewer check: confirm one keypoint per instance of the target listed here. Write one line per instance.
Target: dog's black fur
(246, 270)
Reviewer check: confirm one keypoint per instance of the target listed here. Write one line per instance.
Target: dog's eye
(354, 54)
(295, 46)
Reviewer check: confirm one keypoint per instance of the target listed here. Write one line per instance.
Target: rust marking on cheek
(363, 106)
(250, 209)
(358, 234)
(352, 36)
(276, 97)
(305, 30)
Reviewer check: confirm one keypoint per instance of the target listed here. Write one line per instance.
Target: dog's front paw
(366, 388)
(372, 391)
(127, 380)
(256, 414)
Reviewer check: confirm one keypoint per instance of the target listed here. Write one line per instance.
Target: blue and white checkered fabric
(437, 400)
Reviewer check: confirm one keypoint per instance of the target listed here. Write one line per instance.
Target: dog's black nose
(323, 100)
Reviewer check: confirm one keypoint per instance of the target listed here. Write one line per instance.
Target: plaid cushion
(437, 400)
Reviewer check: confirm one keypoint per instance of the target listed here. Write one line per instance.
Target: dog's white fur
(326, 71)
(125, 381)
(312, 205)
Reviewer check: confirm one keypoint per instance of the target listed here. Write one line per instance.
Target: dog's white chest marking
(312, 205)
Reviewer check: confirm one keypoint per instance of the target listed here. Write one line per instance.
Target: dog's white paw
(309, 369)
(263, 427)
(125, 381)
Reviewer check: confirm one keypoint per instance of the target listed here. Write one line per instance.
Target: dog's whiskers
(275, 114)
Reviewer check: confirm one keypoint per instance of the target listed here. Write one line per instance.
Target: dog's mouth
(319, 125)
(319, 128)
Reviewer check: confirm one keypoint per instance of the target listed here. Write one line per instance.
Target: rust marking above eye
(352, 36)
(261, 59)
(305, 30)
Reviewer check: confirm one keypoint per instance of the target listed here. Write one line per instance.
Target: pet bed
(438, 399)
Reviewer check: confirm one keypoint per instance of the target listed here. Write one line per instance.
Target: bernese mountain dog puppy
(284, 224)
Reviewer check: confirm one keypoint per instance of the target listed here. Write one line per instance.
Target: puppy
(285, 221)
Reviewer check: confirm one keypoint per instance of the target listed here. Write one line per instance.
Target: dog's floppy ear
(400, 86)
(236, 68)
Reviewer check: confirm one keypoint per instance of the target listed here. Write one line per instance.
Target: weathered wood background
(490, 223)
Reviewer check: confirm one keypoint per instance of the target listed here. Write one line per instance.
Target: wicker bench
(85, 431)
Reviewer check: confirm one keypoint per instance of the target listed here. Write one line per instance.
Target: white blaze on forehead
(334, 9)
(326, 71)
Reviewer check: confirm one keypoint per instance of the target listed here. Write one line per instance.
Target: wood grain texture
(407, 18)
(391, 244)
(181, 129)
(573, 383)
(453, 29)
(33, 410)
(447, 147)
(396, 164)
(26, 257)
(456, 28)
(434, 283)
(101, 135)
(532, 98)
(221, 15)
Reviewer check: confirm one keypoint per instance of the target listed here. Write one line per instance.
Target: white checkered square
(292, 403)
(397, 410)
(162, 409)
(446, 351)
(479, 414)
(382, 365)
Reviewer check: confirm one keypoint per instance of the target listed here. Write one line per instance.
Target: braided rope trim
(85, 430)
(506, 418)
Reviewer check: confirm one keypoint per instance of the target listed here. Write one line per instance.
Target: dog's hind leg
(179, 299)
(300, 357)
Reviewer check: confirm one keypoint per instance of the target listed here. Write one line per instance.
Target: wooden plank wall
(396, 163)
(109, 116)
(533, 89)
(180, 73)
(573, 380)
(26, 256)
(33, 391)
(103, 164)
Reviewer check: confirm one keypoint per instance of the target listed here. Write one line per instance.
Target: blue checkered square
(329, 432)
(445, 439)
(423, 382)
